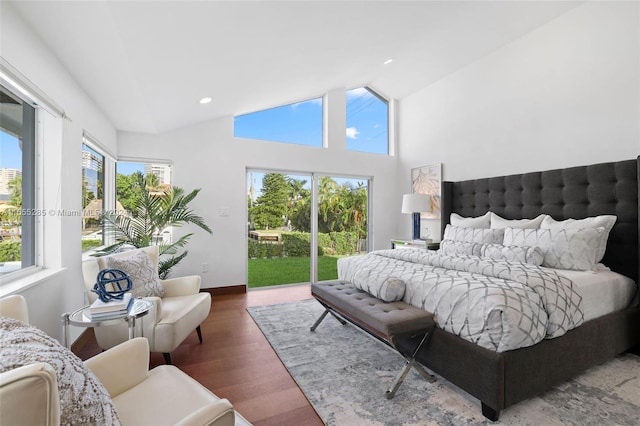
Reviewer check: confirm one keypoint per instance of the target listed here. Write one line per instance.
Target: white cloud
(352, 133)
(316, 101)
(355, 93)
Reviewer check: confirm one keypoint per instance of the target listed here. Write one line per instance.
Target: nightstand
(408, 244)
(414, 244)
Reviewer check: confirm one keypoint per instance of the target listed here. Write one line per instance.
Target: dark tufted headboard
(576, 192)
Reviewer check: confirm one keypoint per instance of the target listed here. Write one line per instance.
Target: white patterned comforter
(496, 304)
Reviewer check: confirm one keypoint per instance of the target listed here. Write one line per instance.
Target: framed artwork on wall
(427, 180)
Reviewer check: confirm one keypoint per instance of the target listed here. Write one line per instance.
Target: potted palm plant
(156, 209)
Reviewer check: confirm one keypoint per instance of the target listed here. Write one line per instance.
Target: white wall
(207, 156)
(566, 94)
(62, 292)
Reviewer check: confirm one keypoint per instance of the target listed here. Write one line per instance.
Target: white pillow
(562, 248)
(473, 235)
(483, 221)
(450, 247)
(604, 221)
(379, 284)
(498, 222)
(139, 267)
(524, 254)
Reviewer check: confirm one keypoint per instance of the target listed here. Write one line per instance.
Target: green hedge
(264, 249)
(344, 242)
(10, 251)
(297, 244)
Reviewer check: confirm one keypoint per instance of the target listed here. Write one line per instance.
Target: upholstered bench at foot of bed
(385, 320)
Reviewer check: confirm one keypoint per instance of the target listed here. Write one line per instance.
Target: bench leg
(340, 320)
(324, 314)
(319, 320)
(391, 392)
(410, 362)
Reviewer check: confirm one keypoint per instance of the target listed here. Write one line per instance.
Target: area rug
(344, 373)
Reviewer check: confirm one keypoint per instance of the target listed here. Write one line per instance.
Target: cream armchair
(35, 383)
(161, 396)
(181, 310)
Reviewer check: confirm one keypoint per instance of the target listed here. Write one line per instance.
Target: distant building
(6, 176)
(91, 160)
(92, 170)
(163, 171)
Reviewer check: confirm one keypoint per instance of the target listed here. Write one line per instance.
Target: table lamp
(416, 204)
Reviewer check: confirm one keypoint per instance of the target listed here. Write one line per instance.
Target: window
(299, 123)
(93, 203)
(367, 121)
(158, 179)
(17, 183)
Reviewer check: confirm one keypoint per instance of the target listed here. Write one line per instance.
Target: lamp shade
(416, 203)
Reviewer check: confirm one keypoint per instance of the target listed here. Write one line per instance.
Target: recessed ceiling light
(205, 100)
(388, 61)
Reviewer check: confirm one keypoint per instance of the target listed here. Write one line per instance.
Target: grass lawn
(288, 270)
(89, 244)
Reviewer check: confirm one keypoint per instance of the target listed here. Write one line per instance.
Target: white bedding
(602, 292)
(497, 304)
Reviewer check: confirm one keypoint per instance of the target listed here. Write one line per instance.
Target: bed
(501, 378)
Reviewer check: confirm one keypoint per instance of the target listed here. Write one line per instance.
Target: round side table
(81, 318)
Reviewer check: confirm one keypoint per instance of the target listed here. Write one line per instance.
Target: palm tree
(15, 190)
(154, 212)
(358, 211)
(328, 207)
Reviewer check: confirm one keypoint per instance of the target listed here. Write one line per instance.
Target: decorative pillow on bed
(379, 284)
(532, 255)
(604, 221)
(83, 399)
(483, 221)
(473, 235)
(451, 247)
(562, 248)
(141, 271)
(498, 222)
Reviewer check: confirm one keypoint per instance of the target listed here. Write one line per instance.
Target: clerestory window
(299, 123)
(367, 121)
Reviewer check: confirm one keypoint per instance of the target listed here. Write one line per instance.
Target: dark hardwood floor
(235, 360)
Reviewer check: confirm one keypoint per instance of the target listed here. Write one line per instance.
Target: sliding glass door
(341, 221)
(279, 226)
(300, 224)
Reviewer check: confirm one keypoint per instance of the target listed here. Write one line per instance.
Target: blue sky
(301, 123)
(10, 154)
(367, 122)
(126, 168)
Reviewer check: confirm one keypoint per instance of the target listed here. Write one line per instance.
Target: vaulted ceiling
(147, 63)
